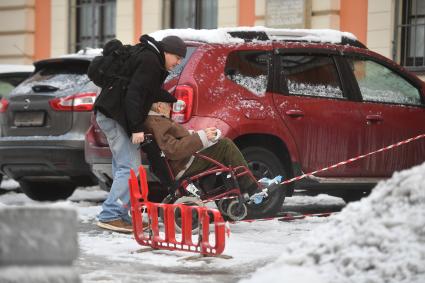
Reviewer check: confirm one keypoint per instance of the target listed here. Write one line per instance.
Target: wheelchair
(218, 184)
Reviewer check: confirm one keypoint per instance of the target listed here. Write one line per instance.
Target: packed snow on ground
(379, 239)
(111, 257)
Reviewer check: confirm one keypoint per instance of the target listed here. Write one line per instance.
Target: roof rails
(327, 36)
(236, 35)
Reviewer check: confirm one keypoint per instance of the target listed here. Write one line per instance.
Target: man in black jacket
(121, 114)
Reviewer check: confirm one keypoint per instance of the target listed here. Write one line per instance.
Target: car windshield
(61, 75)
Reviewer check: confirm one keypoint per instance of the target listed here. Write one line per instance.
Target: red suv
(295, 102)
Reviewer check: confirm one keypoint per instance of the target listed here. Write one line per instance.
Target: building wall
(125, 21)
(42, 30)
(17, 27)
(260, 13)
(151, 16)
(354, 19)
(137, 5)
(60, 32)
(228, 13)
(246, 12)
(325, 14)
(380, 26)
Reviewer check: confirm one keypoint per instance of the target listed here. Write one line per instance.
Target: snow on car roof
(223, 35)
(11, 68)
(84, 53)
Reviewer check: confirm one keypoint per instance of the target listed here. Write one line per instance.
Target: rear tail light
(182, 109)
(77, 102)
(3, 105)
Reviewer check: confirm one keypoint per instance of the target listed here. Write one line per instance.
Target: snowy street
(113, 257)
(378, 239)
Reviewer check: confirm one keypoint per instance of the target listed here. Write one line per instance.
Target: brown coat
(177, 143)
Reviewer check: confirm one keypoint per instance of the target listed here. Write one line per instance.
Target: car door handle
(294, 113)
(374, 118)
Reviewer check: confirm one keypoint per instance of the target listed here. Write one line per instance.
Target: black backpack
(111, 65)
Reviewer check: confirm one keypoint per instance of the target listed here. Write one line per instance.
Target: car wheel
(104, 186)
(263, 163)
(1, 178)
(47, 191)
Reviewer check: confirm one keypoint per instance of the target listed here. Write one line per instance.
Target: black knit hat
(174, 45)
(164, 96)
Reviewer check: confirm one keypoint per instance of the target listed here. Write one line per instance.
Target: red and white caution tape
(287, 217)
(338, 164)
(353, 159)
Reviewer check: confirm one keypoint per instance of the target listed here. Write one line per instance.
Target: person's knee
(229, 144)
(226, 141)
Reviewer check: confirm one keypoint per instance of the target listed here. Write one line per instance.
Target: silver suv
(43, 122)
(10, 77)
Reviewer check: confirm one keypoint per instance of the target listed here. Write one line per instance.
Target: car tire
(47, 191)
(104, 186)
(1, 178)
(263, 163)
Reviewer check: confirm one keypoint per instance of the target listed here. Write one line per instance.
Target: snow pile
(222, 35)
(379, 239)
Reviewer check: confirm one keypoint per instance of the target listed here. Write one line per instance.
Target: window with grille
(199, 14)
(412, 33)
(92, 23)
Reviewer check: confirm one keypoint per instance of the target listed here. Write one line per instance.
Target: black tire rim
(260, 169)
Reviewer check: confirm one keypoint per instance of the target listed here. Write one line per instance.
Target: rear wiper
(44, 88)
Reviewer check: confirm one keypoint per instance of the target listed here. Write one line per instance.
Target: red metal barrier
(166, 236)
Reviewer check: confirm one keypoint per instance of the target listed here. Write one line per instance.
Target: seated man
(179, 145)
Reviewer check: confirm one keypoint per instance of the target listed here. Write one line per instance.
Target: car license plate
(29, 119)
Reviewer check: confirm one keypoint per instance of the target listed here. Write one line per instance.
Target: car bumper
(38, 158)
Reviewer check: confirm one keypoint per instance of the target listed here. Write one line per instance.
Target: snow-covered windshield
(311, 76)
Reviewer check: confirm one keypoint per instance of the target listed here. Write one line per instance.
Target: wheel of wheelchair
(192, 201)
(222, 205)
(236, 210)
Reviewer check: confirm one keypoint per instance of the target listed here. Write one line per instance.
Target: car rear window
(249, 69)
(179, 68)
(61, 75)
